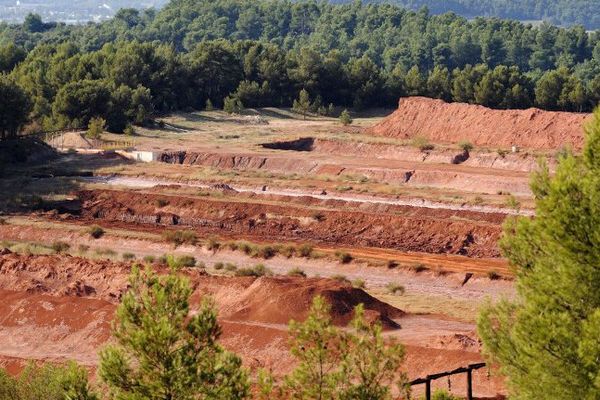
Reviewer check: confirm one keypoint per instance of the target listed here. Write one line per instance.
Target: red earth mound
(279, 299)
(444, 122)
(270, 300)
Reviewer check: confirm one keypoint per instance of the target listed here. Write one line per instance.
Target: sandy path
(145, 183)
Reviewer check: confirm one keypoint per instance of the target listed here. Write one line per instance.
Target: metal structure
(462, 370)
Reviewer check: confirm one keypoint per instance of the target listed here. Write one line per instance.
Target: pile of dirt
(439, 121)
(412, 229)
(276, 300)
(270, 300)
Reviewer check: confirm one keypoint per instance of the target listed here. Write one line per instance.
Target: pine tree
(163, 352)
(345, 118)
(95, 128)
(209, 105)
(546, 341)
(337, 364)
(302, 104)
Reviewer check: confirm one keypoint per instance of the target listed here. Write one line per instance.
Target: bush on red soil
(439, 121)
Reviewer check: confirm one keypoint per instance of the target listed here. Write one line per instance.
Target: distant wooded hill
(559, 12)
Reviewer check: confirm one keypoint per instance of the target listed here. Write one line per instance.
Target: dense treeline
(559, 12)
(263, 53)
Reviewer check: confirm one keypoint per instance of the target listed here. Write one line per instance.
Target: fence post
(469, 384)
(428, 389)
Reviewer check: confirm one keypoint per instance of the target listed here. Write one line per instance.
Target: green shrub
(3, 221)
(96, 231)
(344, 257)
(212, 243)
(105, 252)
(265, 252)
(288, 251)
(60, 247)
(296, 272)
(341, 279)
(218, 266)
(177, 262)
(418, 268)
(257, 270)
(230, 267)
(149, 259)
(441, 394)
(305, 250)
(345, 118)
(177, 238)
(128, 256)
(83, 248)
(391, 264)
(422, 143)
(395, 288)
(465, 145)
(359, 283)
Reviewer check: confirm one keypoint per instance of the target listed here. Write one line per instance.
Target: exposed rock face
(439, 121)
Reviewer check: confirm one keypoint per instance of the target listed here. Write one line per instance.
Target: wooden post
(427, 389)
(469, 384)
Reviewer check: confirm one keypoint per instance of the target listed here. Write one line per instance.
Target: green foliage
(95, 128)
(466, 146)
(339, 364)
(47, 382)
(359, 283)
(96, 231)
(257, 270)
(345, 118)
(180, 237)
(14, 107)
(60, 247)
(161, 351)
(344, 257)
(441, 394)
(302, 104)
(232, 105)
(395, 288)
(546, 340)
(297, 272)
(177, 262)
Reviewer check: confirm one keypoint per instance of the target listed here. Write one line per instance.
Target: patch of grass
(96, 231)
(257, 270)
(288, 251)
(177, 238)
(213, 243)
(359, 284)
(493, 276)
(395, 289)
(418, 268)
(60, 247)
(341, 278)
(218, 265)
(105, 252)
(83, 248)
(265, 252)
(391, 264)
(344, 257)
(465, 145)
(128, 256)
(30, 249)
(230, 267)
(177, 262)
(296, 272)
(149, 259)
(305, 250)
(422, 143)
(3, 221)
(343, 188)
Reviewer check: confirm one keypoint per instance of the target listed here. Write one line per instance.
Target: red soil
(439, 121)
(406, 229)
(272, 300)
